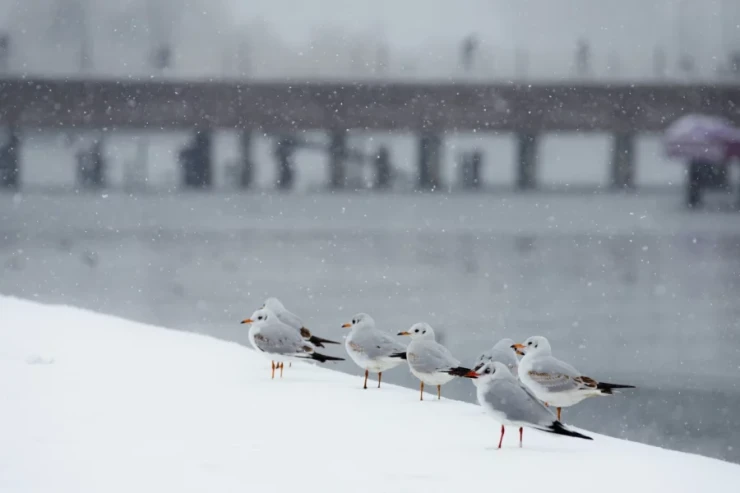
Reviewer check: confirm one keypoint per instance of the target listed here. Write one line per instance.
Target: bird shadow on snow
(37, 359)
(544, 450)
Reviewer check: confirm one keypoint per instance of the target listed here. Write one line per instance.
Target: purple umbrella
(702, 137)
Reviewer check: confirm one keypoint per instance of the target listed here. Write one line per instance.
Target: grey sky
(323, 37)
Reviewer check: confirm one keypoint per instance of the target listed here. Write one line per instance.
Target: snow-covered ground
(101, 404)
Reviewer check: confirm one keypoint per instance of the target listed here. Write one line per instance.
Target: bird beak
(518, 347)
(346, 326)
(247, 321)
(404, 333)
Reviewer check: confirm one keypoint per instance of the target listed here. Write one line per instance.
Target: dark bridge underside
(281, 107)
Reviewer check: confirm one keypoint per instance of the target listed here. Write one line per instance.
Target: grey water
(628, 288)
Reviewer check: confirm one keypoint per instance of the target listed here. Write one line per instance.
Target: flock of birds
(515, 392)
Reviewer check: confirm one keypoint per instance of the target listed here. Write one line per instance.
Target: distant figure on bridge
(583, 58)
(284, 149)
(468, 52)
(383, 169)
(91, 166)
(4, 52)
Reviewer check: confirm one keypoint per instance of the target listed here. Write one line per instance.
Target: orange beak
(517, 348)
(247, 321)
(404, 333)
(346, 326)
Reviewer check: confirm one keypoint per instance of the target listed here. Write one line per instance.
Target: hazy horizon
(422, 38)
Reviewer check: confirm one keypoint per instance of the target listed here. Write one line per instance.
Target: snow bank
(92, 403)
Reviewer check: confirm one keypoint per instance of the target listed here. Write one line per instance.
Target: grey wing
(278, 338)
(508, 358)
(290, 319)
(555, 375)
(377, 344)
(510, 398)
(430, 356)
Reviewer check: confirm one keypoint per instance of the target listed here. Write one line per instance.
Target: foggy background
(629, 287)
(534, 39)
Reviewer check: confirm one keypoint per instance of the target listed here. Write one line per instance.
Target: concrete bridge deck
(284, 107)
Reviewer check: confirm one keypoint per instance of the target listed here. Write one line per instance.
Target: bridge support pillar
(284, 149)
(195, 160)
(623, 162)
(526, 177)
(338, 160)
(429, 161)
(246, 168)
(10, 165)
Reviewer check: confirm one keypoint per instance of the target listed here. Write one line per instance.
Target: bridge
(428, 109)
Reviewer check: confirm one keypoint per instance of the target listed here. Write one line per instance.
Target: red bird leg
(558, 413)
(501, 440)
(365, 385)
(521, 433)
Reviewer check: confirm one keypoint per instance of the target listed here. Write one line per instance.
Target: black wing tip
(401, 355)
(607, 388)
(557, 428)
(461, 371)
(319, 342)
(322, 358)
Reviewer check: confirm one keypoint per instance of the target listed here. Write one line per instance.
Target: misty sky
(422, 35)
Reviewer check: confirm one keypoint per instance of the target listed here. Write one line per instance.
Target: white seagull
(502, 351)
(280, 342)
(555, 382)
(373, 350)
(289, 318)
(430, 361)
(504, 398)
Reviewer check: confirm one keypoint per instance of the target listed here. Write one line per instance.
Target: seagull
(504, 398)
(502, 351)
(555, 382)
(280, 342)
(289, 318)
(372, 349)
(430, 361)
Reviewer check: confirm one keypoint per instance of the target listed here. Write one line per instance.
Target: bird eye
(417, 330)
(536, 345)
(353, 321)
(529, 343)
(488, 370)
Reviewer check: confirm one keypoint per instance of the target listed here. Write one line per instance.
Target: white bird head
(533, 345)
(260, 317)
(273, 304)
(420, 330)
(493, 370)
(504, 344)
(360, 321)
